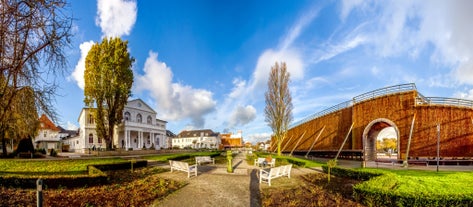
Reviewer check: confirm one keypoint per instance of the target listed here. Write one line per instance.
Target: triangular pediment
(139, 105)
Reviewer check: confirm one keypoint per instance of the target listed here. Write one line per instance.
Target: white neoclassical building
(198, 139)
(140, 129)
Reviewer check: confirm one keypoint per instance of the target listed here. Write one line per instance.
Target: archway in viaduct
(370, 135)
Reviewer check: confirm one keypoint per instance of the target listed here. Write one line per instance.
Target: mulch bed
(313, 191)
(125, 188)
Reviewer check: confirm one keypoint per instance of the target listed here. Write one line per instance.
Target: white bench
(266, 175)
(204, 159)
(260, 162)
(183, 166)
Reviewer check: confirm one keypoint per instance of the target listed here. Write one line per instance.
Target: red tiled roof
(47, 123)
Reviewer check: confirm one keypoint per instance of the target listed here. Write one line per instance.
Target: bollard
(133, 161)
(229, 164)
(39, 193)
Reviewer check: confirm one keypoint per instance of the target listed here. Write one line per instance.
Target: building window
(138, 118)
(150, 120)
(127, 116)
(157, 141)
(91, 138)
(99, 140)
(91, 119)
(45, 134)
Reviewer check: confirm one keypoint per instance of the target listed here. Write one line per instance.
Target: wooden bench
(183, 166)
(204, 159)
(265, 175)
(260, 162)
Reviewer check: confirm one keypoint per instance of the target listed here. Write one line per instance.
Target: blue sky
(205, 64)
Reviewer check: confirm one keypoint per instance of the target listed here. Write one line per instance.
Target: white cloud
(116, 17)
(441, 28)
(78, 73)
(174, 100)
(71, 126)
(292, 58)
(257, 137)
(298, 27)
(345, 45)
(468, 94)
(242, 115)
(347, 6)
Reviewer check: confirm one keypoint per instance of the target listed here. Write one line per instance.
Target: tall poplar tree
(108, 80)
(278, 110)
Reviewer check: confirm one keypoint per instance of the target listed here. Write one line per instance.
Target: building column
(152, 140)
(140, 139)
(127, 142)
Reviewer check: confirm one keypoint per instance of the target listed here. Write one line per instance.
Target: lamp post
(438, 146)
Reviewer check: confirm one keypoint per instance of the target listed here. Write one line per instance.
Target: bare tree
(33, 35)
(278, 109)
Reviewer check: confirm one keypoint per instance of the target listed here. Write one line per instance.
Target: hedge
(368, 194)
(95, 177)
(351, 173)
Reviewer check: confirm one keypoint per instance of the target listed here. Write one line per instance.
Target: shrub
(351, 173)
(42, 151)
(53, 153)
(25, 145)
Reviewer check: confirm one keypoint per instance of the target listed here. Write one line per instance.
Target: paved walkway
(213, 186)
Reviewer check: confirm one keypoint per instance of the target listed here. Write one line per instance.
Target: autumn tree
(108, 80)
(386, 143)
(278, 110)
(33, 35)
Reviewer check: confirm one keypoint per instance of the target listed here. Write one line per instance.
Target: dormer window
(138, 118)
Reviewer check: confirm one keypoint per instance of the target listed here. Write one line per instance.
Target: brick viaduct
(401, 107)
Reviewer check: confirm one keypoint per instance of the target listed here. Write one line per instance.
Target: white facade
(140, 129)
(47, 139)
(48, 134)
(197, 139)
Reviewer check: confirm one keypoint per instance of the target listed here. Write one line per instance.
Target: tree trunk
(279, 147)
(109, 139)
(4, 146)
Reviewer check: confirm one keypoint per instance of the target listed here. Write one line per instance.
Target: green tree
(108, 80)
(278, 110)
(32, 37)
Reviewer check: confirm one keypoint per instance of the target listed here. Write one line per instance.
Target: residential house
(48, 134)
(197, 139)
(231, 140)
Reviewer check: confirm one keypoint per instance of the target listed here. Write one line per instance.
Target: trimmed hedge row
(351, 173)
(95, 177)
(367, 195)
(54, 182)
(120, 165)
(374, 197)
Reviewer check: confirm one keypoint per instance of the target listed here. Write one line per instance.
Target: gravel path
(213, 186)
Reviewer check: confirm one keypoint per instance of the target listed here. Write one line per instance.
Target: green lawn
(415, 182)
(179, 156)
(284, 160)
(50, 167)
